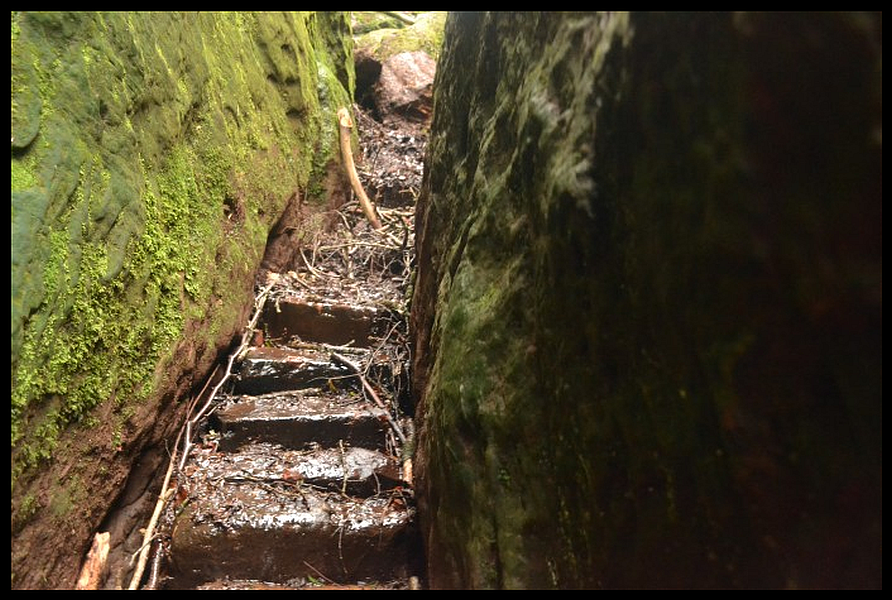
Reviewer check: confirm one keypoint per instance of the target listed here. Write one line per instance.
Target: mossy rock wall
(648, 312)
(151, 155)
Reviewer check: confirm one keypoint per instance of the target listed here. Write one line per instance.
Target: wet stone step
(279, 531)
(273, 369)
(355, 471)
(330, 322)
(304, 583)
(297, 418)
(270, 369)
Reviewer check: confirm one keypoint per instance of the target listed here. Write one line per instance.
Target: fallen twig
(400, 16)
(393, 239)
(150, 530)
(357, 244)
(344, 220)
(318, 572)
(371, 391)
(247, 335)
(343, 466)
(314, 271)
(166, 493)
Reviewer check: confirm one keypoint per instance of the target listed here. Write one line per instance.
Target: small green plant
(27, 509)
(116, 441)
(504, 477)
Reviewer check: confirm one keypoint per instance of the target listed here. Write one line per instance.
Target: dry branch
(371, 391)
(150, 530)
(400, 16)
(346, 126)
(192, 420)
(248, 334)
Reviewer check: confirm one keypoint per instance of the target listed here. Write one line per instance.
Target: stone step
(292, 319)
(280, 530)
(296, 418)
(271, 369)
(352, 470)
(307, 583)
(268, 369)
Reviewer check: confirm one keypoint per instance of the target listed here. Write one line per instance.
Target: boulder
(373, 48)
(405, 87)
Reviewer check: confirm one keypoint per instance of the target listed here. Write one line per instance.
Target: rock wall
(151, 155)
(648, 310)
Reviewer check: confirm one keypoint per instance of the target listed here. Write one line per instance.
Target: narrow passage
(300, 473)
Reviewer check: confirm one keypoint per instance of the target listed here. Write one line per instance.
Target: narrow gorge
(614, 320)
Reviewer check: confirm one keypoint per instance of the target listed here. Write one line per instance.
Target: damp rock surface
(648, 313)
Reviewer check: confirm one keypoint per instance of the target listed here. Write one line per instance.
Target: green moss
(22, 176)
(27, 509)
(26, 100)
(366, 21)
(67, 499)
(426, 34)
(118, 208)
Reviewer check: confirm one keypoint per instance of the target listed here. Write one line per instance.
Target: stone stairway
(299, 477)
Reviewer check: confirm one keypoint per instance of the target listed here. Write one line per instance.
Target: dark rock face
(648, 310)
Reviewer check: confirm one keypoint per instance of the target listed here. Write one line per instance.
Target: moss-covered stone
(366, 21)
(151, 154)
(648, 309)
(425, 34)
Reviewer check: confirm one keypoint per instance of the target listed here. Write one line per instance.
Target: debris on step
(334, 323)
(273, 369)
(298, 473)
(297, 418)
(278, 531)
(349, 470)
(309, 583)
